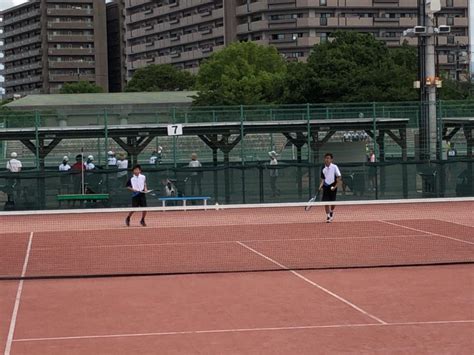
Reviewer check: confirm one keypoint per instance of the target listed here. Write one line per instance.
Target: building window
(323, 2)
(450, 40)
(449, 3)
(450, 21)
(278, 36)
(323, 37)
(450, 58)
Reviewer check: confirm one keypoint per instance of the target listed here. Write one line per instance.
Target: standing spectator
(14, 165)
(156, 156)
(111, 160)
(372, 170)
(78, 168)
(65, 178)
(137, 185)
(122, 166)
(64, 166)
(274, 173)
(452, 152)
(195, 175)
(330, 177)
(89, 163)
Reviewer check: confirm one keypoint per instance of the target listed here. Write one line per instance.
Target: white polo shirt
(90, 166)
(64, 167)
(111, 161)
(138, 182)
(329, 174)
(14, 165)
(194, 164)
(122, 165)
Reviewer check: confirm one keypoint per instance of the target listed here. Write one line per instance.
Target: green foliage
(160, 78)
(355, 67)
(243, 73)
(81, 87)
(456, 90)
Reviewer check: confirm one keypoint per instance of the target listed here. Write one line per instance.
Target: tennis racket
(146, 191)
(311, 201)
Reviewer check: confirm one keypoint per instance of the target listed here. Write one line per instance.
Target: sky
(5, 4)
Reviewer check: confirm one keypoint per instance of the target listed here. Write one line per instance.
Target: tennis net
(235, 238)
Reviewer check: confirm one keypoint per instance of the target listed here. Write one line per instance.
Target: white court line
(430, 233)
(352, 305)
(231, 242)
(457, 223)
(17, 299)
(244, 330)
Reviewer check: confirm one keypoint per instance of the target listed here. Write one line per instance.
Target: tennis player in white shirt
(137, 185)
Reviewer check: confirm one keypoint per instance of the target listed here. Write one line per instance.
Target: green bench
(80, 197)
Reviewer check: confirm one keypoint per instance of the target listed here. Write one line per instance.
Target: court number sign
(175, 130)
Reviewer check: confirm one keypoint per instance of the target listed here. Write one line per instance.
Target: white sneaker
(331, 216)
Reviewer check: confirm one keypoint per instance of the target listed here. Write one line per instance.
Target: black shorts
(139, 200)
(328, 194)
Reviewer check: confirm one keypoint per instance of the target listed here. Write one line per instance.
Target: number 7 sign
(175, 130)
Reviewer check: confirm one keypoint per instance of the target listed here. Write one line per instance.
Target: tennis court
(383, 278)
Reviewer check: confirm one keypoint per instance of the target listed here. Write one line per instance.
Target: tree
(243, 73)
(81, 87)
(455, 90)
(163, 77)
(357, 67)
(299, 81)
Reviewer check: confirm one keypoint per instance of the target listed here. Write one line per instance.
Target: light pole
(428, 82)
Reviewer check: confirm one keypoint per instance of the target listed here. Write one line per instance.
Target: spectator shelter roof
(104, 100)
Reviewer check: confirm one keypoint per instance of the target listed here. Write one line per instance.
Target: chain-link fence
(233, 146)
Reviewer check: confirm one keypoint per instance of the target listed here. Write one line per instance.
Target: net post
(37, 143)
(106, 136)
(173, 117)
(242, 151)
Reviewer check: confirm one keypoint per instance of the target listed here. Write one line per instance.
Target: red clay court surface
(414, 310)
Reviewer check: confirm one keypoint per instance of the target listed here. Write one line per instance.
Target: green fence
(242, 175)
(236, 183)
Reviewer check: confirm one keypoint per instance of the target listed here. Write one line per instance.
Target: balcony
(22, 55)
(21, 68)
(406, 22)
(28, 80)
(356, 21)
(70, 77)
(71, 51)
(252, 7)
(70, 25)
(24, 42)
(69, 12)
(23, 29)
(26, 16)
(70, 38)
(74, 64)
(383, 22)
(359, 3)
(258, 25)
(305, 22)
(308, 41)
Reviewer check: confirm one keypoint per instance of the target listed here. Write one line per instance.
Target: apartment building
(183, 32)
(116, 45)
(47, 43)
(178, 32)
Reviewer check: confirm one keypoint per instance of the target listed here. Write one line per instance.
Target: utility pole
(433, 152)
(426, 31)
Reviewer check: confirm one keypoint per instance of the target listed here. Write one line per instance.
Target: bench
(184, 199)
(81, 197)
